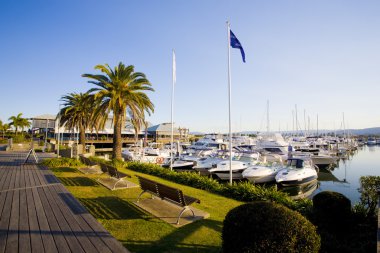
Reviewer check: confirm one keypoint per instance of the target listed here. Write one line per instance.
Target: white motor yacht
(371, 141)
(204, 164)
(178, 165)
(262, 172)
(222, 169)
(298, 171)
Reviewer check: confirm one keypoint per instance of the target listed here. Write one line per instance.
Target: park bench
(92, 166)
(116, 177)
(173, 195)
(87, 161)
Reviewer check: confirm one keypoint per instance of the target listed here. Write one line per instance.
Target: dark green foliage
(332, 210)
(61, 162)
(268, 227)
(19, 139)
(341, 229)
(369, 189)
(244, 191)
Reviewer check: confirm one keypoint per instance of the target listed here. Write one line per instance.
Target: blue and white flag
(235, 43)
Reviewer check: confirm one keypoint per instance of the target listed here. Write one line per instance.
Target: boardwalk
(38, 214)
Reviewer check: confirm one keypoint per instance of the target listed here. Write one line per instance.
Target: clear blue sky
(322, 55)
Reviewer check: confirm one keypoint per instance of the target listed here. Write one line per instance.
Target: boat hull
(261, 179)
(300, 181)
(225, 175)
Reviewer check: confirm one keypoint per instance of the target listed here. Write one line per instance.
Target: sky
(322, 57)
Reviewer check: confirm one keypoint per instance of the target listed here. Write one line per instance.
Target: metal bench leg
(183, 210)
(114, 187)
(138, 198)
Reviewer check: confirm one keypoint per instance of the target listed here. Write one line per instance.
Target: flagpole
(229, 96)
(172, 109)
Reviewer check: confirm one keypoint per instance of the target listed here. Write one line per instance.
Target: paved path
(38, 214)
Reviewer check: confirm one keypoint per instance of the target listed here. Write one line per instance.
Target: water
(345, 177)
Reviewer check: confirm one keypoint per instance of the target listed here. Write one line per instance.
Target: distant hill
(365, 131)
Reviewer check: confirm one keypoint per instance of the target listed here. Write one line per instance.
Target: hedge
(243, 191)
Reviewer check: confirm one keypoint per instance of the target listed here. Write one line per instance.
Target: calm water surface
(345, 178)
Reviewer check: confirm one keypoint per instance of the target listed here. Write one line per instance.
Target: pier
(38, 214)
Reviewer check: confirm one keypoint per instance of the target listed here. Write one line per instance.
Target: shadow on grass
(176, 241)
(112, 208)
(77, 181)
(63, 169)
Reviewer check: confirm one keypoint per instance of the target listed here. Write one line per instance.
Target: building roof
(164, 128)
(45, 117)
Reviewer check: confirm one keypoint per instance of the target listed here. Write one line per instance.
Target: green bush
(332, 210)
(268, 227)
(244, 191)
(61, 162)
(19, 139)
(369, 188)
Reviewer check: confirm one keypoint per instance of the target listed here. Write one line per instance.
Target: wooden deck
(38, 214)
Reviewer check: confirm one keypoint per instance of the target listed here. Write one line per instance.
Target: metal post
(229, 97)
(46, 132)
(58, 138)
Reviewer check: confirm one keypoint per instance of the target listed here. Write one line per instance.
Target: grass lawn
(140, 231)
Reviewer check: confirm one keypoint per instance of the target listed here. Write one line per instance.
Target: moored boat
(222, 169)
(298, 171)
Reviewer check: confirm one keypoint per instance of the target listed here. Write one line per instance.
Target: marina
(335, 164)
(345, 177)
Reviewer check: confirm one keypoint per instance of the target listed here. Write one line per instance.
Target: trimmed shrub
(332, 210)
(268, 227)
(61, 162)
(243, 191)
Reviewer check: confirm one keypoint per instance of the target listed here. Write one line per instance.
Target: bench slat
(171, 193)
(166, 192)
(148, 185)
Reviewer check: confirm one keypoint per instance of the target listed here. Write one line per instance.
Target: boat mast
(267, 116)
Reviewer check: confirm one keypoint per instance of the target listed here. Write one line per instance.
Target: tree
(137, 120)
(3, 128)
(79, 112)
(118, 89)
(18, 121)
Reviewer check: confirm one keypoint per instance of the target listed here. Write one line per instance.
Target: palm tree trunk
(136, 135)
(82, 138)
(116, 149)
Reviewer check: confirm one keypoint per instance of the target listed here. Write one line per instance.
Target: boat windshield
(298, 163)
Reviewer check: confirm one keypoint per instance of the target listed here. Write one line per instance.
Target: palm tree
(24, 123)
(3, 128)
(18, 121)
(78, 112)
(137, 122)
(118, 89)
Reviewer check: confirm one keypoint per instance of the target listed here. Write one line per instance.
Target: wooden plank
(76, 229)
(3, 172)
(101, 232)
(7, 177)
(59, 238)
(92, 234)
(71, 240)
(46, 236)
(31, 177)
(17, 177)
(12, 240)
(12, 179)
(35, 232)
(22, 177)
(38, 176)
(24, 235)
(27, 176)
(4, 222)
